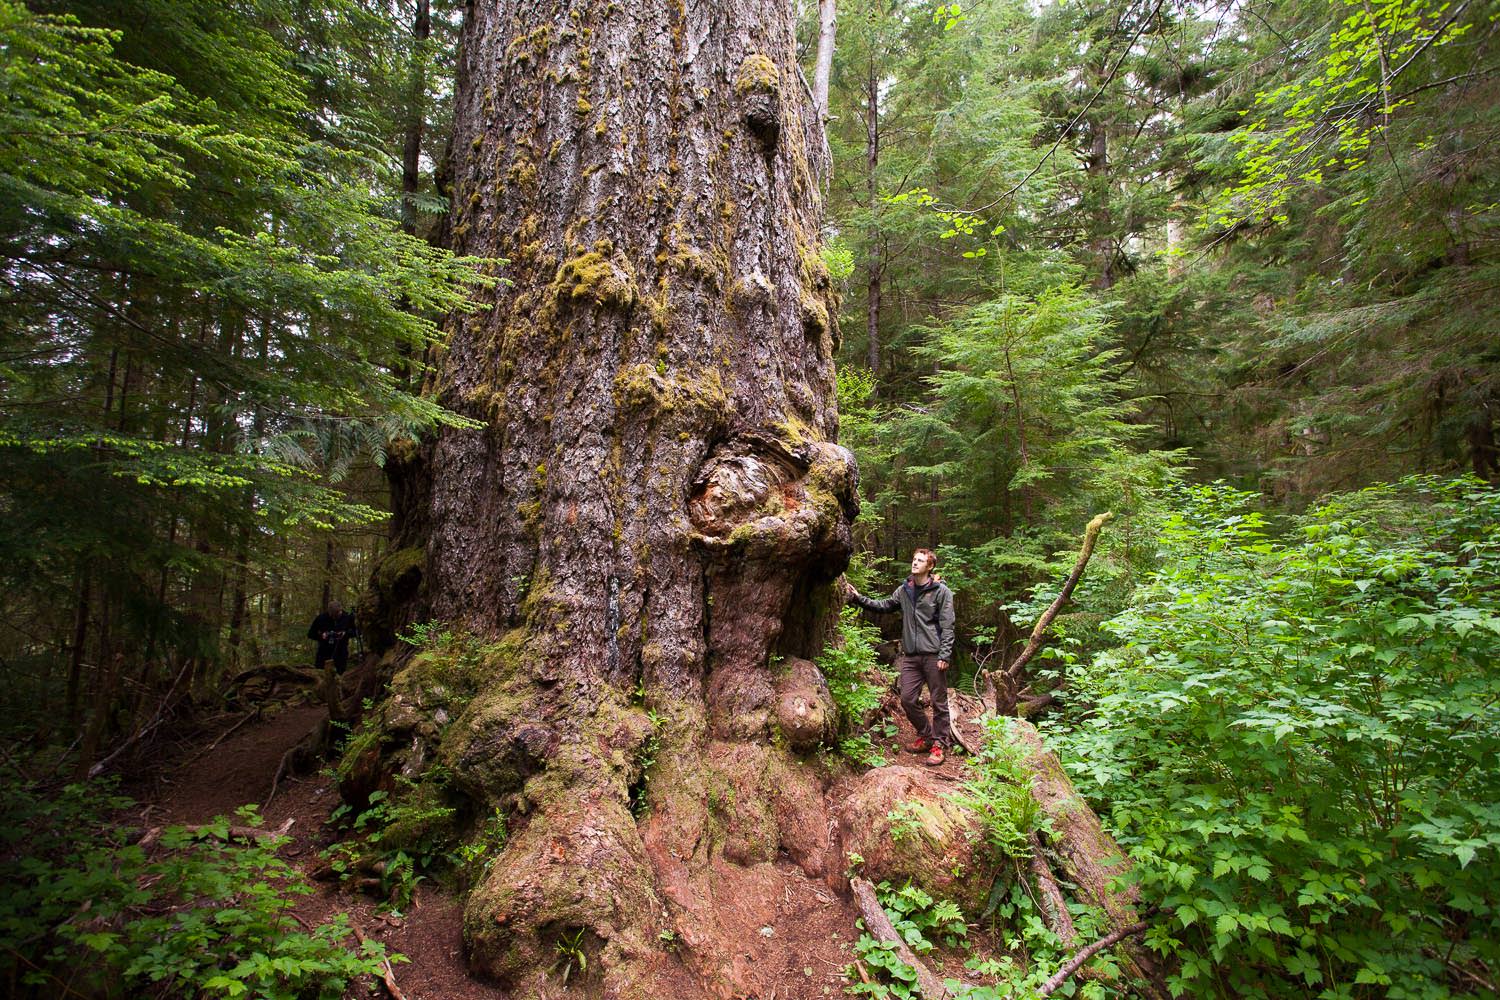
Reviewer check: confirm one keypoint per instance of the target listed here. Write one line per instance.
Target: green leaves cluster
(1297, 739)
(1328, 121)
(856, 681)
(922, 922)
(89, 912)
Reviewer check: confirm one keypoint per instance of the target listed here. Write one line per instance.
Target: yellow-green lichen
(594, 275)
(757, 73)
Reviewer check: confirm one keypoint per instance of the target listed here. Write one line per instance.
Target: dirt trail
(792, 936)
(240, 771)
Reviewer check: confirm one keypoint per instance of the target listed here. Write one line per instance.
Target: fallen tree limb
(1090, 538)
(387, 974)
(167, 703)
(242, 833)
(880, 926)
(999, 687)
(1075, 963)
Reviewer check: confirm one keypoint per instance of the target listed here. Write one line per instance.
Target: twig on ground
(387, 975)
(1087, 952)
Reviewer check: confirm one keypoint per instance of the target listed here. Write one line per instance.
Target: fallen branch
(1075, 963)
(242, 833)
(387, 975)
(1090, 537)
(161, 713)
(880, 925)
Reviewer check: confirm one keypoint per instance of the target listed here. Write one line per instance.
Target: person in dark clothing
(332, 631)
(926, 606)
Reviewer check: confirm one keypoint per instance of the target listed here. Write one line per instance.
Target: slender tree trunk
(872, 164)
(823, 65)
(654, 509)
(75, 656)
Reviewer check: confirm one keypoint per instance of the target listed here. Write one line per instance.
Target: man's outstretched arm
(892, 603)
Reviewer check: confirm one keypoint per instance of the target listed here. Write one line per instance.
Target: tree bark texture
(646, 528)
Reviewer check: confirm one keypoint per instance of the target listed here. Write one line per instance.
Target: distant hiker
(332, 631)
(926, 606)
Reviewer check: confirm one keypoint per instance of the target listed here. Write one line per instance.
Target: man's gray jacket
(926, 616)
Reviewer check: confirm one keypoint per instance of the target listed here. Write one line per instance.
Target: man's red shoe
(935, 758)
(918, 745)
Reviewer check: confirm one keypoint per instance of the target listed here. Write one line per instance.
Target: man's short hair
(931, 558)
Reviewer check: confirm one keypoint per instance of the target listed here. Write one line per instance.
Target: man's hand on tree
(942, 664)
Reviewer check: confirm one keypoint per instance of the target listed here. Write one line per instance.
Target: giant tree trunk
(650, 518)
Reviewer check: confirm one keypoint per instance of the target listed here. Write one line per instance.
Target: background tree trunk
(653, 513)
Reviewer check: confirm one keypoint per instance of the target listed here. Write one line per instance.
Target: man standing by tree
(926, 606)
(332, 631)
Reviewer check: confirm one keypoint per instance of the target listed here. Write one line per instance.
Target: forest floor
(240, 770)
(804, 957)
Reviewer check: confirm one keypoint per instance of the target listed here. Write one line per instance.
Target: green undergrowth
(998, 791)
(419, 825)
(935, 928)
(857, 682)
(1297, 741)
(89, 912)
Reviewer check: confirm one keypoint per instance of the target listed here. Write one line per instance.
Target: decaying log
(1090, 858)
(880, 926)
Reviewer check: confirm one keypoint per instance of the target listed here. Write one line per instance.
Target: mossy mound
(906, 828)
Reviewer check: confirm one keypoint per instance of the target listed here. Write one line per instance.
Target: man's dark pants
(917, 670)
(339, 654)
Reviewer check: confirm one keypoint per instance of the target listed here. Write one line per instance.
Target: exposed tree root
(1054, 905)
(1090, 858)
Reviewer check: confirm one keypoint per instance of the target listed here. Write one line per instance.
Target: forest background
(1228, 271)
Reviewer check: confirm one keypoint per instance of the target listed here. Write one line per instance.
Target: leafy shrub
(88, 913)
(856, 681)
(1298, 741)
(918, 918)
(999, 793)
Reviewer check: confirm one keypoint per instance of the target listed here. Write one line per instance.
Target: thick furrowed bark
(653, 511)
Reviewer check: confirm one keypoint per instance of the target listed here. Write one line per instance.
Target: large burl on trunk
(645, 530)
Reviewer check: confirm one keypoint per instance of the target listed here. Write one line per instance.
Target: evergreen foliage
(208, 300)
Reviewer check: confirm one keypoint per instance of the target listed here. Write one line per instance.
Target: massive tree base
(680, 863)
(634, 545)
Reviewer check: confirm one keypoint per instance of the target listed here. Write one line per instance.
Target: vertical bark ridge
(653, 503)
